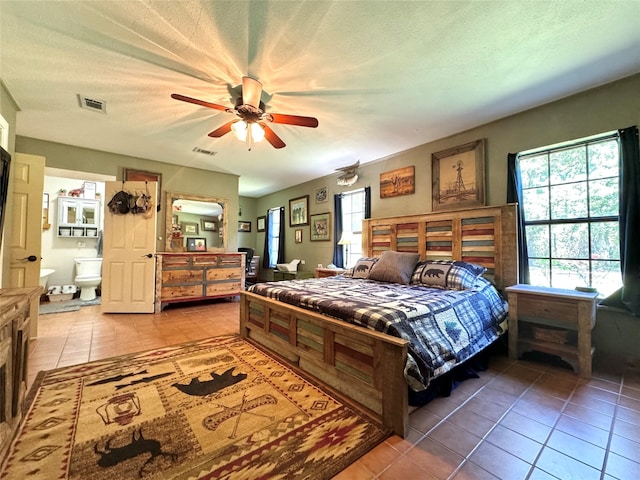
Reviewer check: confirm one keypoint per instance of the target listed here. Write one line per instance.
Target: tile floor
(520, 420)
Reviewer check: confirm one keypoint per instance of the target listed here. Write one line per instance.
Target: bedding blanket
(443, 327)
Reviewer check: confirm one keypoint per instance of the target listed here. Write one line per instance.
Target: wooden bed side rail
(483, 235)
(364, 365)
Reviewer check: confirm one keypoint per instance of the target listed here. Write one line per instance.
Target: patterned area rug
(217, 408)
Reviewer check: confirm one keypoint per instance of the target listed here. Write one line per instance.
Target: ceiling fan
(252, 124)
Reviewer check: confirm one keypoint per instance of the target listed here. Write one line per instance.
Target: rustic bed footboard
(364, 365)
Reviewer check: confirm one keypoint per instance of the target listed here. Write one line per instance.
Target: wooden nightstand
(545, 319)
(328, 272)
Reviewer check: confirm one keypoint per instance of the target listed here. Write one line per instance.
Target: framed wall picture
(397, 182)
(208, 225)
(133, 175)
(458, 177)
(189, 228)
(298, 235)
(321, 194)
(320, 227)
(299, 211)
(261, 223)
(196, 244)
(244, 226)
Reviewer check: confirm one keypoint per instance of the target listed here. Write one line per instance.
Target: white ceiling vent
(204, 152)
(92, 104)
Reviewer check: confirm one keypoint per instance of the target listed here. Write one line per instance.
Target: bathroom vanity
(189, 276)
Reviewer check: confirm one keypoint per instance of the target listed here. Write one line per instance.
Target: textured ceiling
(381, 77)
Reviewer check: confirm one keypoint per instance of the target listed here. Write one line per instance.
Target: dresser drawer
(230, 260)
(205, 260)
(175, 277)
(175, 261)
(214, 274)
(183, 291)
(223, 288)
(549, 308)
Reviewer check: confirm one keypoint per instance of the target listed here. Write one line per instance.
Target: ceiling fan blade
(272, 138)
(293, 120)
(223, 130)
(251, 92)
(202, 103)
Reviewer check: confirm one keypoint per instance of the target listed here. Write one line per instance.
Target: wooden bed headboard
(483, 235)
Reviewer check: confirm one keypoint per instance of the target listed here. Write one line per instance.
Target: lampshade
(346, 238)
(240, 130)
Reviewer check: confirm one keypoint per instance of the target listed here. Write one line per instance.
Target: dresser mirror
(191, 218)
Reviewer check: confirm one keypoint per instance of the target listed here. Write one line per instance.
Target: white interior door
(128, 261)
(27, 175)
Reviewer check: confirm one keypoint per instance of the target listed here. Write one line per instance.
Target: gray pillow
(394, 267)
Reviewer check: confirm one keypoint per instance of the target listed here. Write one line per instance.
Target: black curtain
(628, 297)
(514, 195)
(338, 255)
(367, 202)
(266, 261)
(281, 237)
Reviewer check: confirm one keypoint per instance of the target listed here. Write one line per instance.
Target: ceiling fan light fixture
(250, 133)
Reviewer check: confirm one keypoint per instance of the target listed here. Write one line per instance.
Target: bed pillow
(362, 268)
(394, 267)
(448, 274)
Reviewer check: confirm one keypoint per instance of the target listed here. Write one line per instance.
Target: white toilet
(88, 276)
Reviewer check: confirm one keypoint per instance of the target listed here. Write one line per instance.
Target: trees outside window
(570, 201)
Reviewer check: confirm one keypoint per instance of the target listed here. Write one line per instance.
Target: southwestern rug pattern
(217, 408)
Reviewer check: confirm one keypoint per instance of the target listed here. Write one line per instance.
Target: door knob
(30, 258)
(148, 255)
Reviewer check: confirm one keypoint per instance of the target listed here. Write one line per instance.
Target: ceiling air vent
(92, 104)
(204, 152)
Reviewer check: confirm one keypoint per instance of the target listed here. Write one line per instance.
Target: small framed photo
(196, 244)
(189, 228)
(261, 223)
(321, 194)
(208, 225)
(244, 226)
(299, 211)
(298, 235)
(321, 227)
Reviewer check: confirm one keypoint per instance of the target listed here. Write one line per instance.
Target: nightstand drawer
(548, 308)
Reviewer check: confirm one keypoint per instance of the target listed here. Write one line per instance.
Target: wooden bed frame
(364, 365)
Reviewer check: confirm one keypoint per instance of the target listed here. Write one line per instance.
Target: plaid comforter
(443, 327)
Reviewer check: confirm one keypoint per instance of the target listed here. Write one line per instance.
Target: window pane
(568, 165)
(606, 277)
(605, 244)
(603, 159)
(536, 204)
(603, 197)
(569, 201)
(569, 273)
(538, 240)
(570, 240)
(534, 171)
(540, 272)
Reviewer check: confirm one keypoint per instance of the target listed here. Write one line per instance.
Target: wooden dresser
(15, 319)
(183, 277)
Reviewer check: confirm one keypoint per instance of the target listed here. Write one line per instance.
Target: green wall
(175, 178)
(610, 107)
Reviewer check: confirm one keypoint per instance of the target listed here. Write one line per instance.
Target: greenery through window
(352, 216)
(273, 219)
(571, 198)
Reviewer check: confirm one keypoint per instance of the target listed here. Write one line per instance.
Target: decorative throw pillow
(362, 268)
(448, 274)
(395, 267)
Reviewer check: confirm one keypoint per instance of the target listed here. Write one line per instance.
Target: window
(353, 207)
(570, 202)
(273, 220)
